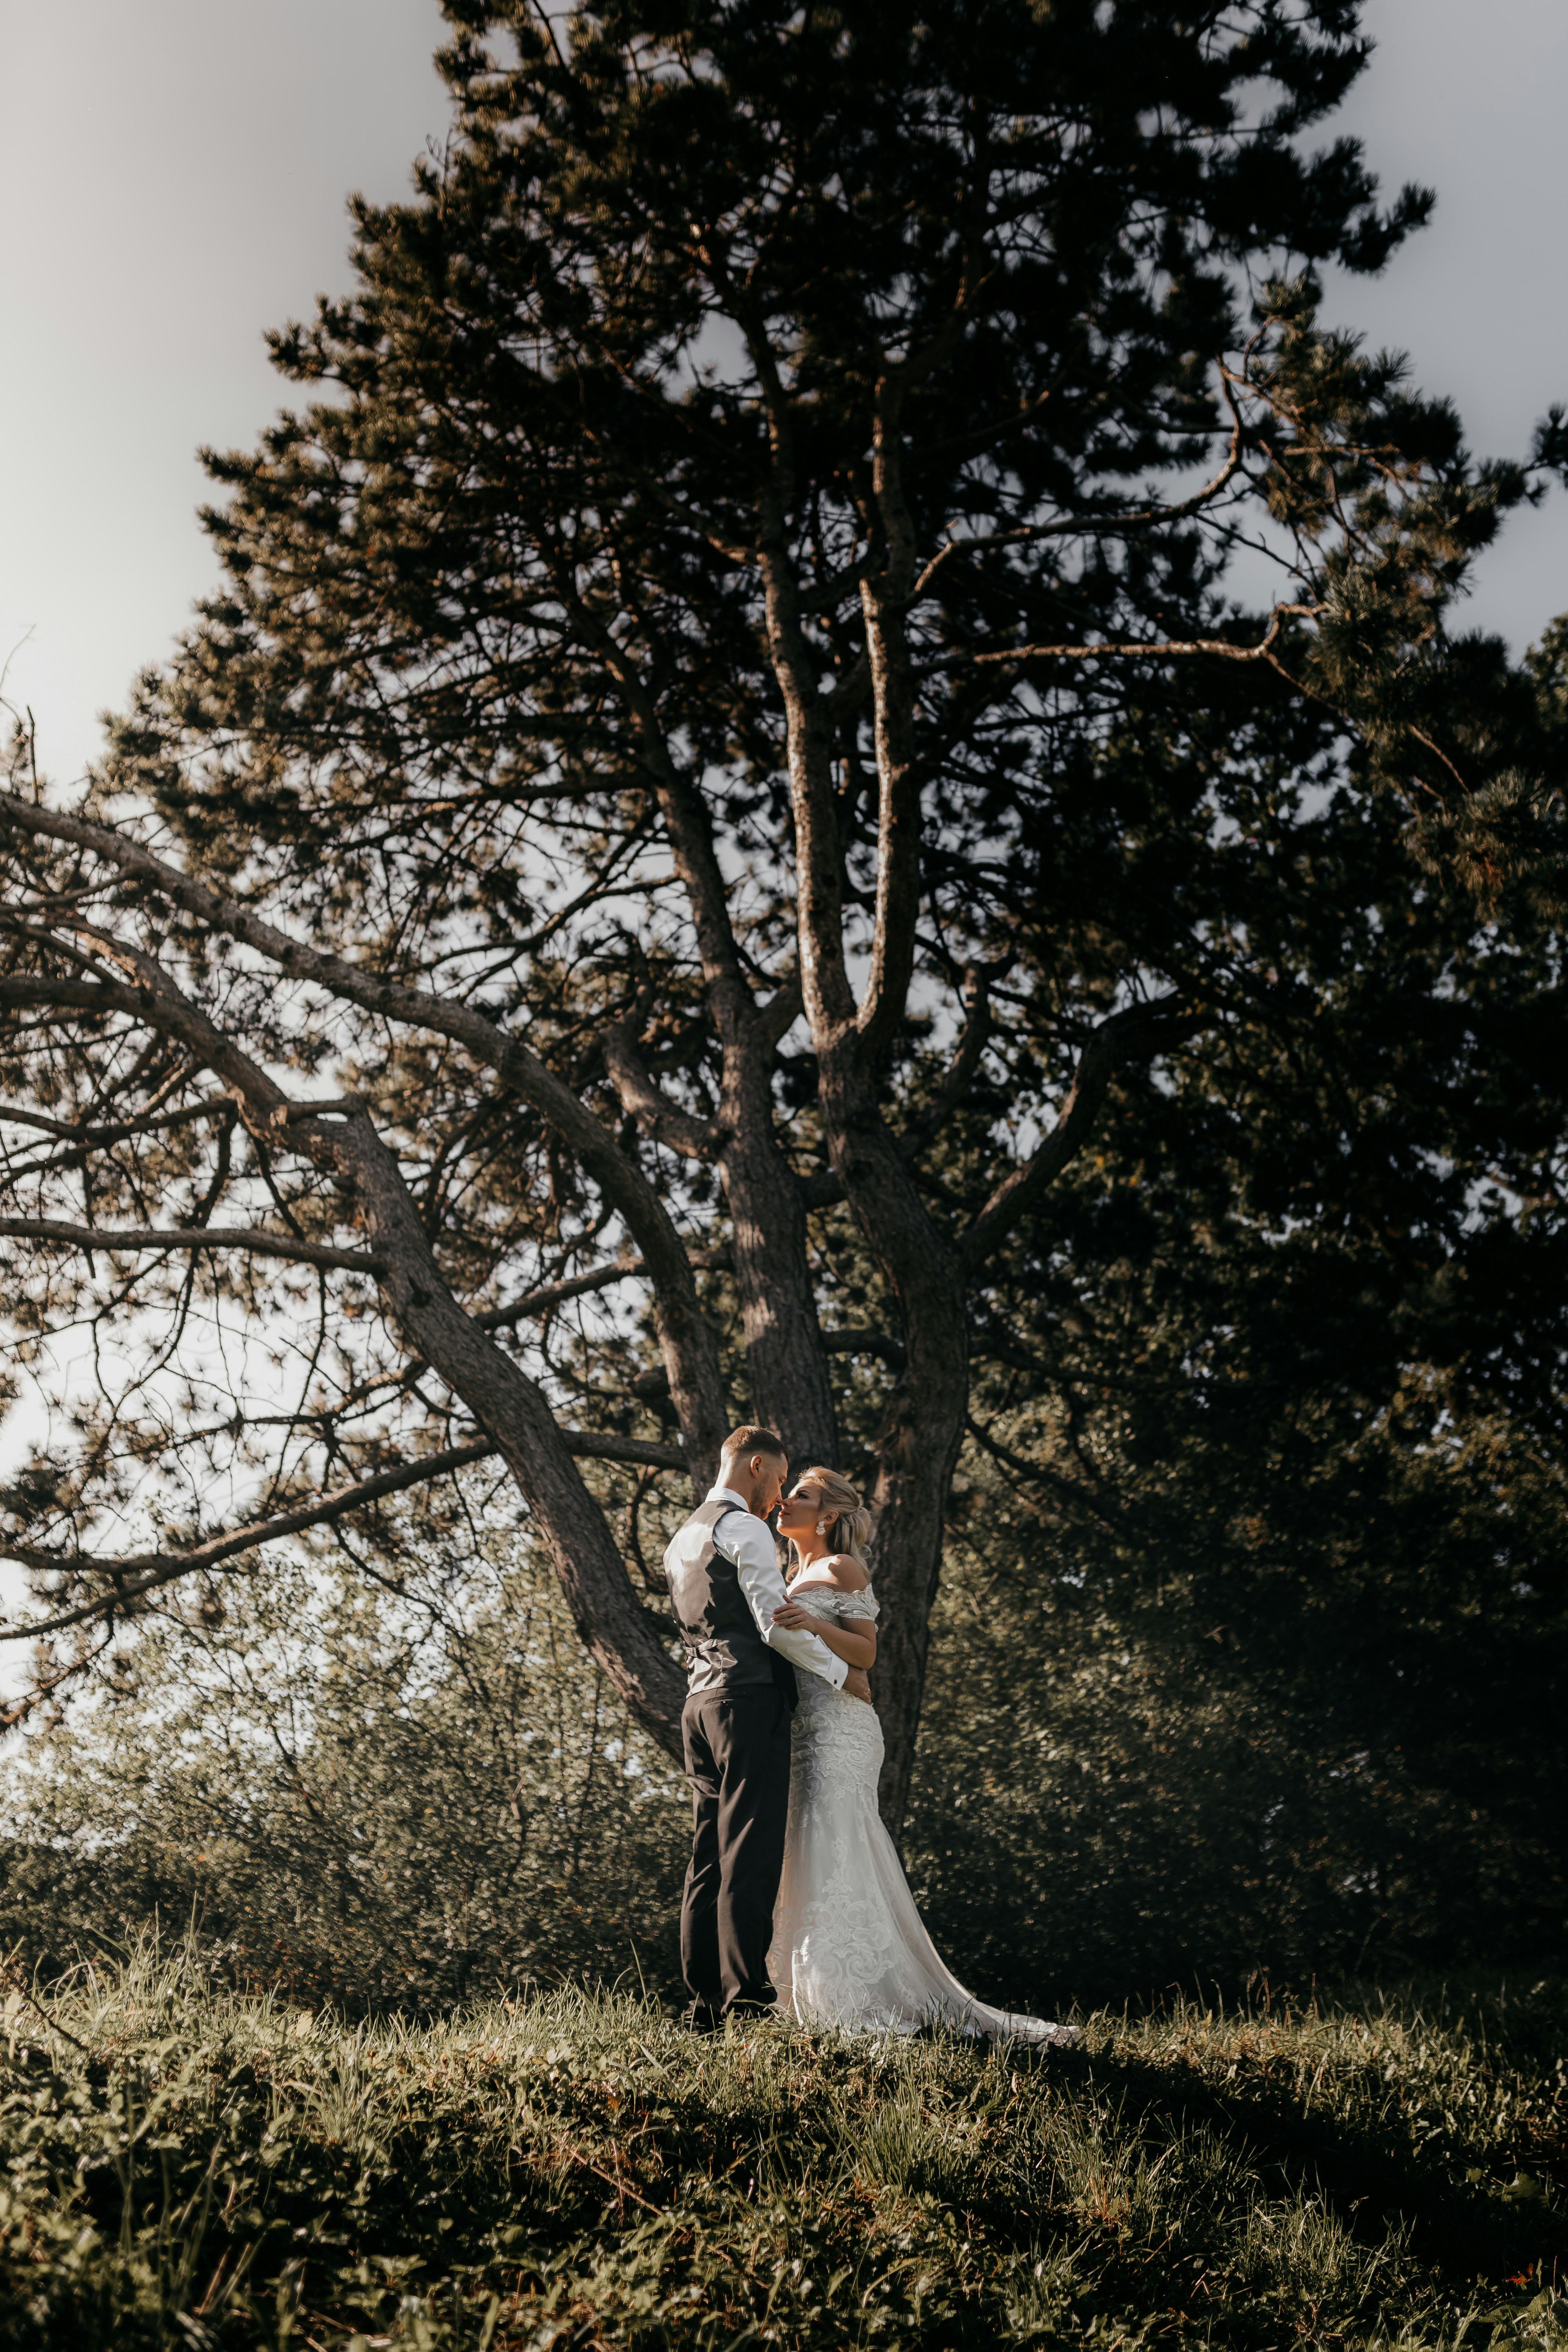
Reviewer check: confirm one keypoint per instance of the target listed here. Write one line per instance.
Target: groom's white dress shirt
(748, 1541)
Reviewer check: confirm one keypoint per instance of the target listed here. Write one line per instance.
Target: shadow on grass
(1440, 2115)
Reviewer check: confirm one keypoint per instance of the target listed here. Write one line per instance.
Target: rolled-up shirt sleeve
(748, 1543)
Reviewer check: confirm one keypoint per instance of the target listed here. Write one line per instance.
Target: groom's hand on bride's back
(858, 1684)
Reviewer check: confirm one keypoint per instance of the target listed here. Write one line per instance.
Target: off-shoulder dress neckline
(825, 1583)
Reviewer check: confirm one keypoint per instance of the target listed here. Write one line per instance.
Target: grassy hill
(189, 2167)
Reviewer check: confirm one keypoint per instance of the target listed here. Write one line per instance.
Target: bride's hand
(797, 1618)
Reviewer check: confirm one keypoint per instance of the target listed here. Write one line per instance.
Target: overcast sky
(171, 181)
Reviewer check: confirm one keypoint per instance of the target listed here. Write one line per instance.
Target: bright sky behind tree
(173, 177)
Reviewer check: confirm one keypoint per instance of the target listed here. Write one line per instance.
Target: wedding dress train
(849, 1947)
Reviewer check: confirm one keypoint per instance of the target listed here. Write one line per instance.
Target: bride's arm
(856, 1648)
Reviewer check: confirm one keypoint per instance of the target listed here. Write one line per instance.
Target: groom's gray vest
(724, 1650)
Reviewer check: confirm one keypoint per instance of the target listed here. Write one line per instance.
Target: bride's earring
(822, 1527)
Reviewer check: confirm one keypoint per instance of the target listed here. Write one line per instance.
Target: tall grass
(189, 2166)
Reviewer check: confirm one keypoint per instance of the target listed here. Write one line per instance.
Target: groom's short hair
(750, 1439)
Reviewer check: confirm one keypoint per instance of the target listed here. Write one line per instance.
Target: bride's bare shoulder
(846, 1572)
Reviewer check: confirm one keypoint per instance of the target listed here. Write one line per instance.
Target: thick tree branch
(99, 1139)
(885, 598)
(828, 997)
(609, 1618)
(664, 1121)
(1139, 1027)
(65, 995)
(149, 1571)
(690, 1358)
(552, 1294)
(978, 981)
(576, 1285)
(897, 796)
(1040, 1474)
(780, 1013)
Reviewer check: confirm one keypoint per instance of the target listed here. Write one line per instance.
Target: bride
(849, 1945)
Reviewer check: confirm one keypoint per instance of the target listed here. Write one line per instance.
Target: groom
(725, 1583)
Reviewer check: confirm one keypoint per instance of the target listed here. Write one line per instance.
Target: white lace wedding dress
(848, 1947)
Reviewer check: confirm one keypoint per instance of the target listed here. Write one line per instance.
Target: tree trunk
(918, 1444)
(791, 1391)
(924, 1272)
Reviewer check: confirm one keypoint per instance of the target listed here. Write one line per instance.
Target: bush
(1268, 1723)
(410, 1787)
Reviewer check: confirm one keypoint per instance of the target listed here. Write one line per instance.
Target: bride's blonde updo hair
(848, 1520)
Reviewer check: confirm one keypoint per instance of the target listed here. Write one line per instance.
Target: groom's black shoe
(700, 2019)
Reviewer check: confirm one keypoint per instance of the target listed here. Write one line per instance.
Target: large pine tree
(719, 753)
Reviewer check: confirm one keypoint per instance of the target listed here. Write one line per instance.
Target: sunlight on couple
(795, 1899)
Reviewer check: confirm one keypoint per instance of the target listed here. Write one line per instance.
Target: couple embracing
(795, 1899)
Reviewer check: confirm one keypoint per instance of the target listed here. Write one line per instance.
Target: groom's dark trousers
(737, 1759)
(735, 1729)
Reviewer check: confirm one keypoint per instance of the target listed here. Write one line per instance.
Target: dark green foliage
(548, 433)
(1246, 1768)
(1252, 1651)
(196, 2170)
(408, 1789)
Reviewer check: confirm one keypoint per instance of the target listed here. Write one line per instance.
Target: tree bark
(791, 1392)
(919, 1445)
(785, 1363)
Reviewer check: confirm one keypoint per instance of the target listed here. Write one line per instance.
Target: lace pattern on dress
(821, 1599)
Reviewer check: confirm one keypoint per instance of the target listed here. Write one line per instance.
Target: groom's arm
(751, 1547)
